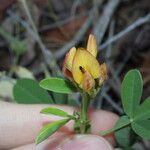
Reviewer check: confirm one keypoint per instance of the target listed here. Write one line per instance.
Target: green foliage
(143, 111)
(136, 119)
(58, 85)
(141, 123)
(137, 114)
(142, 128)
(49, 129)
(28, 91)
(124, 120)
(131, 91)
(124, 136)
(60, 98)
(54, 111)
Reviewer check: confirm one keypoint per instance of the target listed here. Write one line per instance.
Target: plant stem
(84, 113)
(103, 133)
(84, 106)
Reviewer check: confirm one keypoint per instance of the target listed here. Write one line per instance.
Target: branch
(112, 103)
(102, 24)
(48, 56)
(131, 27)
(80, 34)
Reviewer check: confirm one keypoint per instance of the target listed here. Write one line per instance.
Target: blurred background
(36, 34)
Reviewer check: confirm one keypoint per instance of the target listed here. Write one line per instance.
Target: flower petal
(85, 60)
(88, 81)
(69, 58)
(67, 73)
(103, 73)
(91, 45)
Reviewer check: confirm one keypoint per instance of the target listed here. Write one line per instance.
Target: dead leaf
(23, 72)
(6, 87)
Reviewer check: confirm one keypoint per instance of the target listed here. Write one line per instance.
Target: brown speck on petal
(82, 69)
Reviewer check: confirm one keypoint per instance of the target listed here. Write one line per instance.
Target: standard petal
(69, 58)
(84, 61)
(91, 45)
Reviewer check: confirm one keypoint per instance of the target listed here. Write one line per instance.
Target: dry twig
(131, 27)
(102, 24)
(48, 56)
(80, 34)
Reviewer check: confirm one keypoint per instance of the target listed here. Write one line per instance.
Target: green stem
(103, 133)
(84, 106)
(84, 113)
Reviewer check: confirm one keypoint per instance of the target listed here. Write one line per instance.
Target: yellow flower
(82, 67)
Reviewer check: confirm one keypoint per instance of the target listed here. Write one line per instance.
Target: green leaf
(142, 128)
(58, 85)
(60, 98)
(131, 91)
(49, 129)
(123, 121)
(54, 111)
(28, 91)
(124, 136)
(143, 111)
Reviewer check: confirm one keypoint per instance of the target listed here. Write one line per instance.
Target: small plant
(87, 76)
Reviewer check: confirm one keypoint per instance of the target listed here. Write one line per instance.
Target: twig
(108, 54)
(48, 56)
(62, 22)
(74, 7)
(128, 29)
(108, 99)
(107, 57)
(24, 23)
(114, 84)
(80, 34)
(100, 99)
(113, 104)
(109, 48)
(131, 27)
(110, 84)
(121, 66)
(124, 61)
(102, 24)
